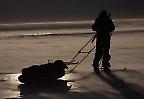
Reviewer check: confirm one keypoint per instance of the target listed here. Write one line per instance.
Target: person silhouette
(103, 26)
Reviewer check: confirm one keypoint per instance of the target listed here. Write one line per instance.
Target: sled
(50, 71)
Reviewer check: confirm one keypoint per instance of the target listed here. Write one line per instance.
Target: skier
(104, 26)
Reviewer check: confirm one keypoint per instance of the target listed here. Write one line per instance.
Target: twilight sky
(39, 9)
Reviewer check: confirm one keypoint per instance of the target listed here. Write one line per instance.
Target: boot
(96, 67)
(106, 66)
(107, 69)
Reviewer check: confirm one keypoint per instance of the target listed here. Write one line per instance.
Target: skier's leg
(98, 55)
(106, 56)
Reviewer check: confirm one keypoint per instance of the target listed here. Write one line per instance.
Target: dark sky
(66, 9)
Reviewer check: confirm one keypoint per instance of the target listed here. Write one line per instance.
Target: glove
(93, 40)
